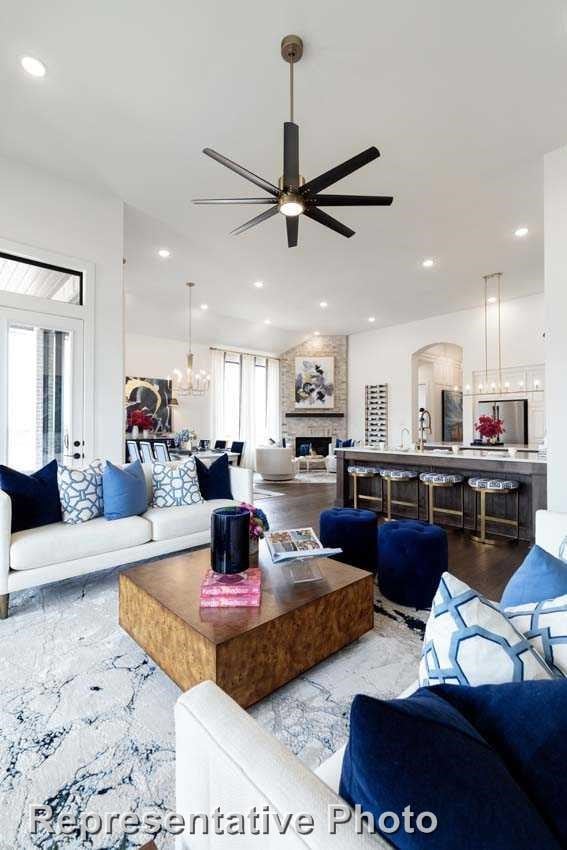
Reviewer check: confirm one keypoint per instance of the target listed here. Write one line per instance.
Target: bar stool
(487, 486)
(432, 481)
(361, 473)
(393, 476)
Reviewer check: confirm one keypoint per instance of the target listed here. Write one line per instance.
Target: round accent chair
(353, 531)
(412, 557)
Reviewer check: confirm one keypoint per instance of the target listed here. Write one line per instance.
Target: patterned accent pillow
(80, 491)
(545, 626)
(175, 484)
(470, 641)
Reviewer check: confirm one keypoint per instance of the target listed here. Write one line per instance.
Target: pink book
(248, 600)
(250, 582)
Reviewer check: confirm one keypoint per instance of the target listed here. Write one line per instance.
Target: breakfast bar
(458, 505)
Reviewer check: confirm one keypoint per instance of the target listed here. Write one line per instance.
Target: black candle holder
(230, 542)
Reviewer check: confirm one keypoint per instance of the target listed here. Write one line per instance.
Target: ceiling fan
(293, 196)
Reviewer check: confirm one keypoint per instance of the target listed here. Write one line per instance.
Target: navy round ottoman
(412, 557)
(354, 531)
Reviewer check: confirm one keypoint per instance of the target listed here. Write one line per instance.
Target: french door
(41, 389)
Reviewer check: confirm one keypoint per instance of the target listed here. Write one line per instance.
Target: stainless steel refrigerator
(514, 414)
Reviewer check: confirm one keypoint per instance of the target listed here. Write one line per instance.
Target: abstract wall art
(314, 382)
(148, 399)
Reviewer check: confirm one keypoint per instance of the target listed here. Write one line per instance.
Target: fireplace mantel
(311, 414)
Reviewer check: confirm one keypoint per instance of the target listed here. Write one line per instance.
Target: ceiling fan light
(291, 204)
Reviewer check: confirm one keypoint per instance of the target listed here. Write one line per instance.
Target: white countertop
(469, 454)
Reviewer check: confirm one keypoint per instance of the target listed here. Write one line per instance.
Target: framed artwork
(148, 403)
(452, 416)
(314, 382)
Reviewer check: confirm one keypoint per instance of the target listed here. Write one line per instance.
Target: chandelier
(189, 381)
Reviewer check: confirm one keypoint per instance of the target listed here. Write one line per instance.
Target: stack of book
(246, 593)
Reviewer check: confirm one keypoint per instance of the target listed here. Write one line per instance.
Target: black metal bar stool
(365, 473)
(435, 480)
(485, 487)
(393, 476)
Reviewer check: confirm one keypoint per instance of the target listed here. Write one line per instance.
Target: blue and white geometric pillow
(80, 491)
(545, 626)
(470, 641)
(175, 484)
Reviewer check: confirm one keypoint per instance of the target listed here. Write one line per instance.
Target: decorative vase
(135, 431)
(230, 552)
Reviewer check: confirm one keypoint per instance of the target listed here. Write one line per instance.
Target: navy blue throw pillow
(541, 576)
(423, 753)
(35, 498)
(526, 723)
(214, 480)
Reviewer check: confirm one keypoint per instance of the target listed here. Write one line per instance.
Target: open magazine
(296, 543)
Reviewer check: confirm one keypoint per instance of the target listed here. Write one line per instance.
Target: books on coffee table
(244, 590)
(296, 543)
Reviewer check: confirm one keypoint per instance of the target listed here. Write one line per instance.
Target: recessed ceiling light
(267, 321)
(316, 333)
(521, 232)
(492, 299)
(258, 284)
(164, 253)
(204, 306)
(323, 304)
(33, 66)
(428, 263)
(372, 318)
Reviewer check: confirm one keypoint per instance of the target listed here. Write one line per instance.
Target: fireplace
(317, 445)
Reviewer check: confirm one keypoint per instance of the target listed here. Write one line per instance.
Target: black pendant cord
(291, 91)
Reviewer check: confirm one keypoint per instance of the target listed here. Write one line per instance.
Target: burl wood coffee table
(248, 652)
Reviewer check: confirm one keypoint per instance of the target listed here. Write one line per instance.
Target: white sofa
(60, 550)
(224, 758)
(275, 463)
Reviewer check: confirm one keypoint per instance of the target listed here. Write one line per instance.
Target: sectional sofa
(59, 550)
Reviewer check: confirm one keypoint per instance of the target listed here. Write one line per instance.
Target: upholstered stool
(364, 473)
(412, 556)
(432, 481)
(353, 531)
(486, 486)
(392, 476)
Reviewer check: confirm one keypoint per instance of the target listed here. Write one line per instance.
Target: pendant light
(190, 382)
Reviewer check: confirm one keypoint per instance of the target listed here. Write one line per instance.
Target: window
(231, 424)
(40, 280)
(260, 399)
(250, 405)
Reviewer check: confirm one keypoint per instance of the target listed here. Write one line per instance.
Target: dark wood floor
(486, 568)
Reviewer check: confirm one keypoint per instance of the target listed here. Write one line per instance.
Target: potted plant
(490, 428)
(258, 525)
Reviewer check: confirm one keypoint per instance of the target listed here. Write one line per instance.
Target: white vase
(135, 431)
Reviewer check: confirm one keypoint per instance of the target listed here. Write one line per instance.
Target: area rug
(316, 477)
(86, 719)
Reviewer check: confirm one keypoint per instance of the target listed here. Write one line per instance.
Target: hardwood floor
(486, 568)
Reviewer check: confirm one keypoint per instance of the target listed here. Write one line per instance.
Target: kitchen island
(528, 469)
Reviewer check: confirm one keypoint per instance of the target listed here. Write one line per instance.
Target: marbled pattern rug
(86, 718)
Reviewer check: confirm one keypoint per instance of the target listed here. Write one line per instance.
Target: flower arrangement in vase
(140, 420)
(490, 428)
(181, 438)
(258, 526)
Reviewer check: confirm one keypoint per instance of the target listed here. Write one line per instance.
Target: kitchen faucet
(424, 425)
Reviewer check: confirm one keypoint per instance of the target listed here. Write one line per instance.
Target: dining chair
(146, 452)
(133, 451)
(220, 444)
(161, 452)
(238, 448)
(204, 445)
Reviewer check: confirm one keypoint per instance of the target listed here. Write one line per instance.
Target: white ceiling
(462, 99)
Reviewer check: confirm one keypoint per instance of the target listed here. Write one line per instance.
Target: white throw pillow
(80, 491)
(470, 641)
(175, 484)
(545, 626)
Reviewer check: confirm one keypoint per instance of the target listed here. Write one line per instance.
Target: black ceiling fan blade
(291, 155)
(235, 200)
(258, 219)
(248, 175)
(351, 200)
(292, 228)
(337, 173)
(329, 221)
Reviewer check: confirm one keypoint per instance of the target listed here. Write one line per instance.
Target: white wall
(157, 357)
(555, 183)
(44, 211)
(384, 356)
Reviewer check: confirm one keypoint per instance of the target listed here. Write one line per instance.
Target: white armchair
(275, 463)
